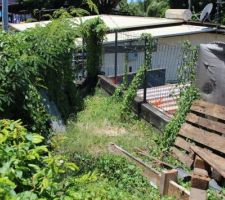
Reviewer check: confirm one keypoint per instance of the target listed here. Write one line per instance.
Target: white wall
(168, 54)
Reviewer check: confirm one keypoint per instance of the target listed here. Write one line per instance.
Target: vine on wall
(188, 92)
(149, 43)
(130, 92)
(54, 45)
(93, 32)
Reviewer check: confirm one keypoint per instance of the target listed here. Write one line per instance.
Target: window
(130, 69)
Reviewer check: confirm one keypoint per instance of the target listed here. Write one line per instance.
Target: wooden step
(209, 109)
(184, 158)
(206, 123)
(203, 137)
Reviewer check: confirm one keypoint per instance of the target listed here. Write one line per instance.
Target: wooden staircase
(204, 128)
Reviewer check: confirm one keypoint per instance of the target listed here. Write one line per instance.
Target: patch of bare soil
(110, 131)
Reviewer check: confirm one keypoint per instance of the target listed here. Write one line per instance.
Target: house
(170, 33)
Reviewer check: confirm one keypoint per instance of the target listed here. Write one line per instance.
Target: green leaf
(6, 181)
(28, 195)
(71, 166)
(45, 184)
(34, 138)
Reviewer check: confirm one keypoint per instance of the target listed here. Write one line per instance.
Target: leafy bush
(19, 97)
(53, 46)
(117, 179)
(27, 168)
(40, 59)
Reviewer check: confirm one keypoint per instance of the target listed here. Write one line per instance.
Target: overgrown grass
(86, 141)
(100, 124)
(116, 179)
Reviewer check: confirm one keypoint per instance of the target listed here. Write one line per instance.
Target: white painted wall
(168, 54)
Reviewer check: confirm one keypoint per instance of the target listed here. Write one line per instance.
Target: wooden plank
(174, 189)
(212, 159)
(166, 177)
(183, 144)
(157, 161)
(197, 194)
(182, 157)
(151, 174)
(209, 124)
(204, 137)
(209, 109)
(177, 191)
(201, 164)
(200, 179)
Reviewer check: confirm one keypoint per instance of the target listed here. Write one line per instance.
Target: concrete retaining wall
(144, 110)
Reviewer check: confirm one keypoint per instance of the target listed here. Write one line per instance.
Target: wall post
(116, 54)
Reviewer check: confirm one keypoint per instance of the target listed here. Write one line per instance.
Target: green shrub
(41, 59)
(27, 167)
(19, 97)
(124, 174)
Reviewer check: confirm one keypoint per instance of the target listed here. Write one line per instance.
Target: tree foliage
(93, 6)
(38, 60)
(157, 8)
(153, 8)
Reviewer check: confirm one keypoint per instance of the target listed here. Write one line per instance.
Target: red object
(11, 2)
(115, 80)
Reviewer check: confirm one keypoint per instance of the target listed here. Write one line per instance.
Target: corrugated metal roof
(123, 22)
(23, 26)
(159, 32)
(112, 21)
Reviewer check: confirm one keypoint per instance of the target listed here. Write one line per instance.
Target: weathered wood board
(172, 189)
(212, 159)
(205, 128)
(210, 109)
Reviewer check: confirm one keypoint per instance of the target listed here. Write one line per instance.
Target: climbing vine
(149, 44)
(93, 32)
(130, 92)
(188, 92)
(186, 72)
